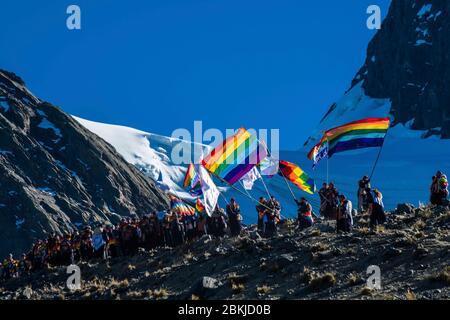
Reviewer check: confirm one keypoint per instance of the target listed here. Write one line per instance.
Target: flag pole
(243, 193)
(376, 161)
(246, 191)
(378, 157)
(287, 183)
(328, 159)
(292, 193)
(265, 186)
(224, 198)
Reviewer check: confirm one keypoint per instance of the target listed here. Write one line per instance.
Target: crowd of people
(171, 229)
(336, 206)
(125, 238)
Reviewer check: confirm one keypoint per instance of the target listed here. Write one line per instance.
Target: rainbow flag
(179, 207)
(199, 205)
(191, 177)
(365, 133)
(235, 157)
(297, 176)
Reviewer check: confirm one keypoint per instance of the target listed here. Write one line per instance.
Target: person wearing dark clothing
(261, 210)
(219, 224)
(272, 217)
(304, 214)
(439, 189)
(167, 222)
(331, 198)
(376, 208)
(177, 229)
(362, 194)
(344, 219)
(86, 246)
(113, 242)
(234, 217)
(202, 228)
(66, 249)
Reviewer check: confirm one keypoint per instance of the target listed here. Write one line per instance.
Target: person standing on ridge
(331, 202)
(362, 194)
(261, 210)
(439, 189)
(234, 217)
(344, 219)
(376, 209)
(272, 217)
(304, 214)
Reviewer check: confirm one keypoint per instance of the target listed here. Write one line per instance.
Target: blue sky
(158, 65)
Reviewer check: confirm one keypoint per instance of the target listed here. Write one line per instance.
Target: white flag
(269, 167)
(209, 190)
(250, 178)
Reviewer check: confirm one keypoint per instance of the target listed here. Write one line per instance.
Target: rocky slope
(412, 251)
(55, 175)
(408, 64)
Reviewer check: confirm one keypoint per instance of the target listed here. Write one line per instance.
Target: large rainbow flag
(297, 176)
(179, 207)
(365, 133)
(235, 157)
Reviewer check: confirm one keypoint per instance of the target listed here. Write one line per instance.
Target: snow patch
(437, 15)
(45, 124)
(47, 191)
(422, 42)
(4, 105)
(5, 152)
(19, 222)
(424, 32)
(426, 8)
(62, 166)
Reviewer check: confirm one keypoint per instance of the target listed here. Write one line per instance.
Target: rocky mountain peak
(408, 62)
(55, 175)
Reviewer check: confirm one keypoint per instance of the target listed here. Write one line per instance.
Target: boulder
(404, 208)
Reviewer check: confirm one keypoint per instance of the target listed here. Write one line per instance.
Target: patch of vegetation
(322, 281)
(264, 289)
(319, 247)
(366, 291)
(419, 225)
(443, 276)
(354, 279)
(410, 295)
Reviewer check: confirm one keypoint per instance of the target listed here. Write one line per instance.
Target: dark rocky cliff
(408, 61)
(56, 175)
